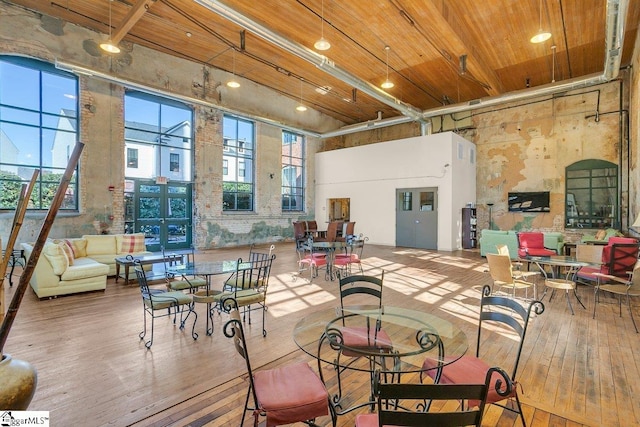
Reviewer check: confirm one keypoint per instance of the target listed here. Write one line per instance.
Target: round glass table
(414, 335)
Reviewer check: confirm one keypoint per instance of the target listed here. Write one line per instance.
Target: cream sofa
(81, 264)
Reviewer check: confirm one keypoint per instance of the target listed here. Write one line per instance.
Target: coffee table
(128, 261)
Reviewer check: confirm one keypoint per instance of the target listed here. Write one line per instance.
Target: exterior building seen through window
(39, 130)
(238, 164)
(293, 159)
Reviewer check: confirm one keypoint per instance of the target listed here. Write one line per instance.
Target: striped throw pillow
(132, 243)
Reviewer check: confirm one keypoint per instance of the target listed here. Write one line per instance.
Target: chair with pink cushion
(284, 395)
(531, 243)
(401, 404)
(361, 291)
(506, 315)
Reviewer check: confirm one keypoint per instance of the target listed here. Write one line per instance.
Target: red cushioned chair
(531, 243)
(619, 257)
(503, 313)
(284, 395)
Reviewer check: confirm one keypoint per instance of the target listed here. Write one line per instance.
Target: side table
(16, 257)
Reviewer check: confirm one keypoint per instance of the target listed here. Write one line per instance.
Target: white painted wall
(369, 175)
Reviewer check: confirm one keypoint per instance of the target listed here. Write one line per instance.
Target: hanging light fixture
(387, 84)
(322, 43)
(542, 35)
(233, 83)
(109, 46)
(301, 106)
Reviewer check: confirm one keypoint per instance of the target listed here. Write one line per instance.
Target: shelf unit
(469, 228)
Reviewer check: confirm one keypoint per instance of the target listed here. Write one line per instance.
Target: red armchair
(532, 244)
(619, 257)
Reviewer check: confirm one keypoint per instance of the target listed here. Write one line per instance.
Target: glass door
(161, 211)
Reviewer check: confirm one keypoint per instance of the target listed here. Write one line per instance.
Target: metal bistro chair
(287, 394)
(627, 288)
(394, 401)
(155, 302)
(506, 313)
(185, 282)
(352, 256)
(250, 286)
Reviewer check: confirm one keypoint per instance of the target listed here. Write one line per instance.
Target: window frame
(293, 193)
(64, 136)
(583, 177)
(238, 192)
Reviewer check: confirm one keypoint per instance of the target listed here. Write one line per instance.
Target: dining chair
(361, 292)
(250, 286)
(287, 394)
(157, 303)
(517, 265)
(241, 279)
(352, 255)
(185, 282)
(509, 315)
(531, 243)
(621, 287)
(503, 275)
(619, 257)
(310, 260)
(410, 404)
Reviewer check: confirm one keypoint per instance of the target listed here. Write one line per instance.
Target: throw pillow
(68, 251)
(132, 243)
(79, 247)
(600, 235)
(56, 257)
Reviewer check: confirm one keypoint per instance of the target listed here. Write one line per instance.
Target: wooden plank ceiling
(426, 40)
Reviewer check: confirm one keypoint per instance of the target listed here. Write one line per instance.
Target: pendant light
(109, 46)
(301, 106)
(387, 84)
(233, 83)
(542, 35)
(322, 43)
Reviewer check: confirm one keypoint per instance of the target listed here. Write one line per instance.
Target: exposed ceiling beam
(134, 15)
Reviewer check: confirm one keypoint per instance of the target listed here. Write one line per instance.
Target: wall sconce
(91, 108)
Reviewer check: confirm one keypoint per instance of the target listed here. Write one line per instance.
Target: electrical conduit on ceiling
(615, 20)
(614, 37)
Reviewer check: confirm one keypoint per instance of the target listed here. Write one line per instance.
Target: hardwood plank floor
(94, 371)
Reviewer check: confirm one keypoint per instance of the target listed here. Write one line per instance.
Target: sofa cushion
(130, 243)
(84, 268)
(56, 257)
(100, 244)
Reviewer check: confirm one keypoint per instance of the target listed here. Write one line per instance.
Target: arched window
(592, 195)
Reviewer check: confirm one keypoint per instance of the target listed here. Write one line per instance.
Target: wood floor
(94, 371)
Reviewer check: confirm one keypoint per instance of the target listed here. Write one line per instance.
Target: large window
(237, 164)
(158, 137)
(292, 172)
(592, 195)
(38, 130)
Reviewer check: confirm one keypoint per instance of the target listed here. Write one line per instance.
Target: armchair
(532, 244)
(619, 257)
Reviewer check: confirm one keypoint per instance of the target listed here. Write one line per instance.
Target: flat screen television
(529, 201)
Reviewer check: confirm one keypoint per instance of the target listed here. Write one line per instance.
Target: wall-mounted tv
(529, 201)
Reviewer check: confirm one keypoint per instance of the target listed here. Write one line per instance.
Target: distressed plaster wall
(102, 130)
